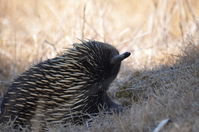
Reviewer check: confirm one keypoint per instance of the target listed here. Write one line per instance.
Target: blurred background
(34, 30)
(162, 36)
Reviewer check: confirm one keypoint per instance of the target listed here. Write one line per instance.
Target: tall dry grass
(159, 80)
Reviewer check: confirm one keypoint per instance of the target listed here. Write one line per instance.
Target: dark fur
(41, 93)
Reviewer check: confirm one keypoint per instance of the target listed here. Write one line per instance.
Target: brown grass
(160, 80)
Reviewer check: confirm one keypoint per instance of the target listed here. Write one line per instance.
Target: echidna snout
(119, 58)
(66, 88)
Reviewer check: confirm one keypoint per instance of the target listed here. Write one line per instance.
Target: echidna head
(101, 60)
(115, 62)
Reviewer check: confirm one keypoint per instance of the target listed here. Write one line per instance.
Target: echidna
(66, 88)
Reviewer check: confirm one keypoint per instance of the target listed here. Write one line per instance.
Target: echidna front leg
(111, 106)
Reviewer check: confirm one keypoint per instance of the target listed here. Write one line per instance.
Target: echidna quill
(66, 88)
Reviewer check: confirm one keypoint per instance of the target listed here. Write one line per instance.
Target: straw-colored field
(159, 80)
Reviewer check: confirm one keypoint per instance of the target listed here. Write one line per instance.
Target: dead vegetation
(160, 80)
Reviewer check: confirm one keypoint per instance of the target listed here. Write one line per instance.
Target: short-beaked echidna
(65, 88)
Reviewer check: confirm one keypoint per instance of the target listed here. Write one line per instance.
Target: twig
(83, 21)
(162, 124)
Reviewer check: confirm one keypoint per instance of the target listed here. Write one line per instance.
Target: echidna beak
(125, 55)
(119, 58)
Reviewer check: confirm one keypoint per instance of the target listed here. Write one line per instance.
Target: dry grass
(161, 78)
